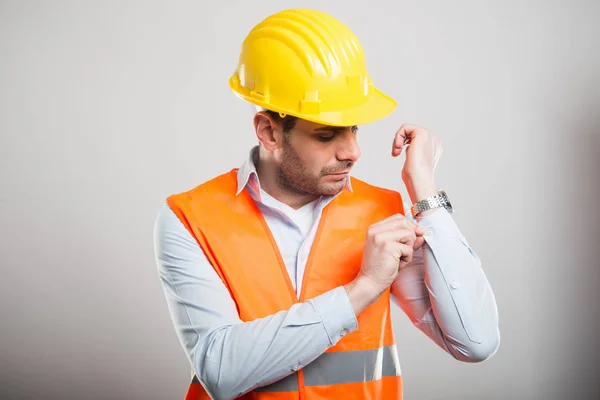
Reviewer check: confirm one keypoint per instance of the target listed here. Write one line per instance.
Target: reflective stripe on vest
(343, 367)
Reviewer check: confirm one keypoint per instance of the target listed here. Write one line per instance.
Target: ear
(267, 131)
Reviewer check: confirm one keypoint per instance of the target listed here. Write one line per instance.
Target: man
(279, 274)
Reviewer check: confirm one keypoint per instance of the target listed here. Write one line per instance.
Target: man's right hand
(389, 246)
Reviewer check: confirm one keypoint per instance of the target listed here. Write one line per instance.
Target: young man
(279, 274)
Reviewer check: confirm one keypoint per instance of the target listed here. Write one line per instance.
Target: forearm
(447, 295)
(238, 358)
(462, 302)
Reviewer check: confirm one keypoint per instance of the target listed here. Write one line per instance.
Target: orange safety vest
(237, 241)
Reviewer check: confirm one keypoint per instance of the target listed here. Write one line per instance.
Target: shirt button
(454, 285)
(296, 367)
(429, 232)
(344, 332)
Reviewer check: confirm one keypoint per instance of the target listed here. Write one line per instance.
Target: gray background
(108, 107)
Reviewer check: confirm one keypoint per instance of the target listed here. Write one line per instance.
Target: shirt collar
(247, 176)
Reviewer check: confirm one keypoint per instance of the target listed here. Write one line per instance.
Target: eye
(325, 138)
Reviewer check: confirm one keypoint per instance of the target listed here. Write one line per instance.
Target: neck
(267, 175)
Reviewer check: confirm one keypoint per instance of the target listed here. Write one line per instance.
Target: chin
(332, 189)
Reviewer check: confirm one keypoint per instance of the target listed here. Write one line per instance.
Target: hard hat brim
(377, 106)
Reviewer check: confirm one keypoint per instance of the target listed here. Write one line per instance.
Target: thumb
(419, 230)
(419, 243)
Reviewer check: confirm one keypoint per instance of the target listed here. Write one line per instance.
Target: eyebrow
(333, 128)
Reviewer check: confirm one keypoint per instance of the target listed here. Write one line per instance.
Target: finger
(402, 236)
(395, 222)
(419, 230)
(398, 144)
(406, 255)
(396, 217)
(404, 252)
(403, 136)
(419, 243)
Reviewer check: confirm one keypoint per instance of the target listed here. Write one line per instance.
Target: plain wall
(107, 107)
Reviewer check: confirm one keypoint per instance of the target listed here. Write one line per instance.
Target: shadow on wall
(581, 276)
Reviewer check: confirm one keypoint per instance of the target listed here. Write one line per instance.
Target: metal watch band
(438, 200)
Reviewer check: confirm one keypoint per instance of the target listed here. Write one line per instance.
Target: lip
(340, 173)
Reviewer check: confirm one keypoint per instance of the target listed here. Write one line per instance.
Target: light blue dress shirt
(443, 291)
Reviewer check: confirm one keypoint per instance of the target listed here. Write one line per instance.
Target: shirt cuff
(337, 313)
(441, 229)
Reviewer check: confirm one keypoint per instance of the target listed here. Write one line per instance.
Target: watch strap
(438, 200)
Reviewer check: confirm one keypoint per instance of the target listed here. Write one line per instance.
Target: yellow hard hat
(308, 64)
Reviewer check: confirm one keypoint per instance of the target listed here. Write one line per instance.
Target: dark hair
(288, 122)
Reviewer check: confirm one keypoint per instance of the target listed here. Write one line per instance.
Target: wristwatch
(439, 200)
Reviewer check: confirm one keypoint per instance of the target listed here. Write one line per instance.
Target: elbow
(214, 373)
(219, 390)
(480, 352)
(218, 385)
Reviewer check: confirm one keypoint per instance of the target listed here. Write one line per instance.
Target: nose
(348, 149)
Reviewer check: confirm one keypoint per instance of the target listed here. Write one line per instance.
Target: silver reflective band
(287, 384)
(343, 367)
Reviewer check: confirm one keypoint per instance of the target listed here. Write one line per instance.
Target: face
(316, 159)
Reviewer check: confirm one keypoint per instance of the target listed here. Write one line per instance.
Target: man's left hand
(422, 155)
